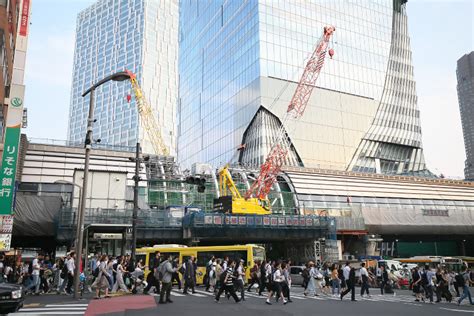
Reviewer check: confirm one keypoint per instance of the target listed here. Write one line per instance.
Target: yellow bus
(450, 263)
(249, 253)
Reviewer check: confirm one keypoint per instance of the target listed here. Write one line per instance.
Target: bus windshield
(258, 254)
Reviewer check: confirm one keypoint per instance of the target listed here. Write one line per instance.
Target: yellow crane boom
(148, 121)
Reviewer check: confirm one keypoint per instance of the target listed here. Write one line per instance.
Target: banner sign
(6, 224)
(5, 240)
(25, 12)
(8, 172)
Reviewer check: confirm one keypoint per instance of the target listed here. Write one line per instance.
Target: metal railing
(149, 218)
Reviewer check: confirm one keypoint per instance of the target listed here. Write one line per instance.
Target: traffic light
(200, 182)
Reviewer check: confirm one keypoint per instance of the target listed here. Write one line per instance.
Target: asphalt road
(202, 303)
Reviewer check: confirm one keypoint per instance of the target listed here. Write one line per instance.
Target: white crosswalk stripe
(53, 309)
(177, 293)
(297, 294)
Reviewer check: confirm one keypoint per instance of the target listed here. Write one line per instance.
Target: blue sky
(441, 32)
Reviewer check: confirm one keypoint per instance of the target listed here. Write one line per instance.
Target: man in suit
(351, 281)
(151, 279)
(189, 275)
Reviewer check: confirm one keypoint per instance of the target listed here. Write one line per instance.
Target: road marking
(177, 293)
(458, 310)
(412, 304)
(53, 309)
(308, 297)
(206, 293)
(22, 313)
(67, 305)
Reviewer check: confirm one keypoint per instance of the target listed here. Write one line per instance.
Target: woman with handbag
(311, 287)
(102, 280)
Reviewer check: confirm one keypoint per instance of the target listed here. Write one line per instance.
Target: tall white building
(465, 74)
(239, 65)
(114, 35)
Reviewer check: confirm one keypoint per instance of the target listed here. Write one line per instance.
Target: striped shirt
(230, 276)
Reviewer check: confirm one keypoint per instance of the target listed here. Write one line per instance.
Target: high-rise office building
(239, 65)
(465, 74)
(114, 35)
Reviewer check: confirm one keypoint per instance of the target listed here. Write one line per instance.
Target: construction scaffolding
(167, 187)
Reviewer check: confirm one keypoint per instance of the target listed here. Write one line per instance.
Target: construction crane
(270, 169)
(230, 200)
(147, 118)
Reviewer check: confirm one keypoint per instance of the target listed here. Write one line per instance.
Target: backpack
(64, 271)
(159, 271)
(459, 279)
(424, 279)
(30, 268)
(222, 277)
(271, 277)
(305, 274)
(96, 272)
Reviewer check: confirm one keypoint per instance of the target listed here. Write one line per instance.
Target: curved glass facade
(217, 103)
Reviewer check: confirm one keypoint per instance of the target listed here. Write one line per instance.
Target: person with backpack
(165, 276)
(263, 276)
(285, 266)
(150, 279)
(365, 280)
(189, 275)
(206, 275)
(227, 283)
(102, 280)
(276, 280)
(254, 275)
(71, 266)
(466, 282)
(350, 281)
(175, 276)
(119, 273)
(383, 279)
(34, 271)
(416, 279)
(427, 282)
(305, 276)
(219, 272)
(239, 279)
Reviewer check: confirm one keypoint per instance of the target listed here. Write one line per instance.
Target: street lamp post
(119, 76)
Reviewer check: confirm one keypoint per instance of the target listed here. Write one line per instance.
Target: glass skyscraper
(465, 74)
(239, 65)
(114, 35)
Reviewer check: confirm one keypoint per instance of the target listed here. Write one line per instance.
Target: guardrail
(201, 219)
(155, 218)
(150, 218)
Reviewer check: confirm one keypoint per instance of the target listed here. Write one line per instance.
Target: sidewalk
(120, 304)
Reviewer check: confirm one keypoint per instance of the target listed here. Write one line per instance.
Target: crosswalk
(297, 295)
(53, 309)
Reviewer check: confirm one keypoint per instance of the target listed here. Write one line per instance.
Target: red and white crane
(270, 169)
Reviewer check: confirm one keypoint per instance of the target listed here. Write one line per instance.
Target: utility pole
(136, 179)
(82, 203)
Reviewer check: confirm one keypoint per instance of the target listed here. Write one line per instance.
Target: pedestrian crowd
(108, 274)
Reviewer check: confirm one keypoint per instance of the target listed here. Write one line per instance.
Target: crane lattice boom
(270, 169)
(148, 120)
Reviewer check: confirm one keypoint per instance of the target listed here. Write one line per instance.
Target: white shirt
(277, 277)
(346, 271)
(224, 265)
(70, 265)
(36, 267)
(239, 271)
(363, 271)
